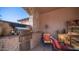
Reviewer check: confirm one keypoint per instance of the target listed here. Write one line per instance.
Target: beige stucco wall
(9, 43)
(56, 19)
(35, 34)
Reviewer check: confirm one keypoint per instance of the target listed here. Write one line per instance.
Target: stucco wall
(9, 43)
(56, 19)
(35, 34)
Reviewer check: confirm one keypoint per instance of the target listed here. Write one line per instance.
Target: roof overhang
(29, 10)
(41, 10)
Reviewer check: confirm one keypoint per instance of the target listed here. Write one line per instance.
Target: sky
(12, 14)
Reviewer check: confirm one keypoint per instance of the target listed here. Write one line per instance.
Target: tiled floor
(42, 48)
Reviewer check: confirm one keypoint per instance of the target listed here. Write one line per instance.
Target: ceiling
(42, 10)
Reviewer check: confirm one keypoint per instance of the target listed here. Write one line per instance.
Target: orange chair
(46, 38)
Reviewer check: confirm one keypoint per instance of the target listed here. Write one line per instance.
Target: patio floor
(42, 48)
